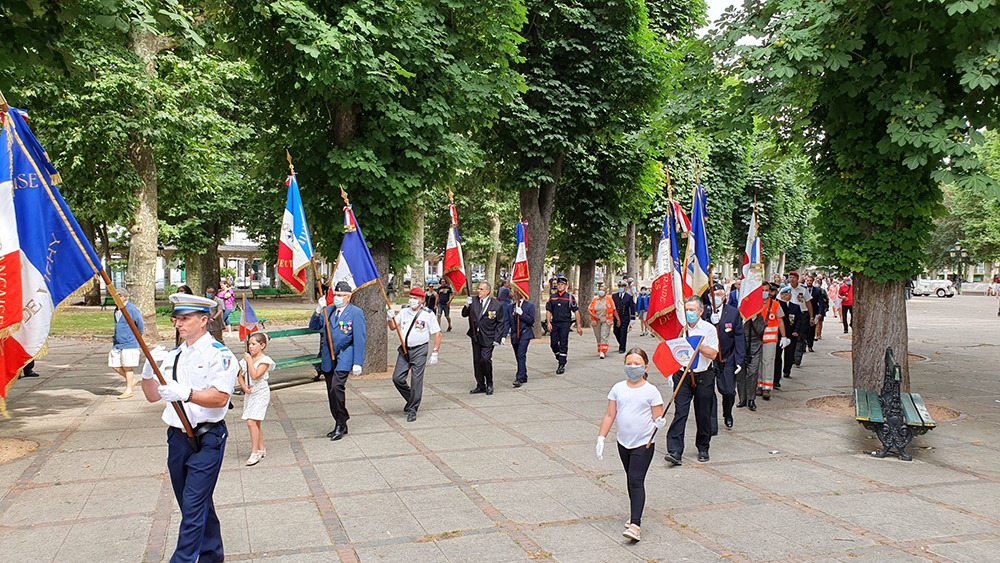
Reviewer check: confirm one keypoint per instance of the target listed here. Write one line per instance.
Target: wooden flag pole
(676, 389)
(319, 285)
(3, 103)
(381, 287)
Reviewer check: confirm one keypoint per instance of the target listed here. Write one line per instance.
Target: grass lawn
(91, 321)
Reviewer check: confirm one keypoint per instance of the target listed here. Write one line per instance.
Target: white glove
(738, 370)
(659, 423)
(320, 305)
(357, 370)
(468, 301)
(173, 391)
(390, 313)
(784, 342)
(518, 311)
(599, 449)
(434, 358)
(159, 354)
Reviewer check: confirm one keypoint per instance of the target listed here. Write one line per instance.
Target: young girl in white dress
(253, 380)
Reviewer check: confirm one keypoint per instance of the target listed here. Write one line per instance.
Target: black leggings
(636, 462)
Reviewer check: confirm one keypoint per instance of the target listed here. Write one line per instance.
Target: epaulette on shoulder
(221, 346)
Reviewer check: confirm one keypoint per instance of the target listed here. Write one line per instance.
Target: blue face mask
(621, 290)
(601, 293)
(338, 301)
(691, 316)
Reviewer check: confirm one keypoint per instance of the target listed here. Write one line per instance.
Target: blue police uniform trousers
(521, 354)
(193, 476)
(559, 341)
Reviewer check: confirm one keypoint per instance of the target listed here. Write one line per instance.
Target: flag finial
(343, 194)
(697, 174)
(291, 169)
(670, 188)
(451, 196)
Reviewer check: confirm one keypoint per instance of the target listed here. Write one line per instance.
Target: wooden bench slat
(860, 404)
(918, 402)
(910, 411)
(291, 332)
(874, 407)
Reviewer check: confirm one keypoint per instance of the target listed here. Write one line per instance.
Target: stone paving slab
(513, 477)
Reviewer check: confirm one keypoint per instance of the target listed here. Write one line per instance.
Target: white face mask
(717, 300)
(338, 301)
(413, 303)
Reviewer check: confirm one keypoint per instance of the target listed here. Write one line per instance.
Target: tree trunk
(93, 292)
(417, 278)
(574, 279)
(536, 209)
(879, 321)
(630, 268)
(371, 301)
(781, 264)
(210, 271)
(309, 292)
(586, 289)
(494, 255)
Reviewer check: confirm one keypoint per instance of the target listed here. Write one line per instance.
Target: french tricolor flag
(294, 245)
(454, 262)
(519, 278)
(751, 298)
(674, 355)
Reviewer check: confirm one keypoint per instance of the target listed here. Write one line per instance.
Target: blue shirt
(123, 338)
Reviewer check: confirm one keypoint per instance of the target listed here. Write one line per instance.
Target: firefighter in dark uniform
(625, 304)
(559, 312)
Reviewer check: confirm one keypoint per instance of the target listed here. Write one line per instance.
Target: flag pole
(381, 287)
(687, 368)
(319, 283)
(3, 103)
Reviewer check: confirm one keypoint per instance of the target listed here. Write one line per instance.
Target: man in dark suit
(732, 350)
(520, 319)
(487, 327)
(796, 320)
(625, 305)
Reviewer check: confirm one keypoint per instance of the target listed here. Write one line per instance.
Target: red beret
(417, 292)
(790, 274)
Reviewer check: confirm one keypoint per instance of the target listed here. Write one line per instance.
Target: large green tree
(887, 99)
(382, 98)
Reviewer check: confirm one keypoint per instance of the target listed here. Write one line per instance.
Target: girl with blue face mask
(636, 407)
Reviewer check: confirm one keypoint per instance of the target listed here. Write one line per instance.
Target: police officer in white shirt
(200, 374)
(417, 324)
(702, 392)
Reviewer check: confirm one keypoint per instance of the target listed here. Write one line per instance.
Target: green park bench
(263, 292)
(295, 361)
(108, 302)
(895, 417)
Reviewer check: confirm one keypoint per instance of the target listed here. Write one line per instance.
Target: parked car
(941, 288)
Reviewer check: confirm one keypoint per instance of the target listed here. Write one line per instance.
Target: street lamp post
(961, 256)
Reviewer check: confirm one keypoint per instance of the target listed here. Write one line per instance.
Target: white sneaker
(632, 532)
(602, 355)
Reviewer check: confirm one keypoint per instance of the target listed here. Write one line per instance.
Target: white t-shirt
(426, 325)
(635, 415)
(710, 339)
(800, 295)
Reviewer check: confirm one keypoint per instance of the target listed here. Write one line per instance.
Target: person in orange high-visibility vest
(603, 315)
(766, 332)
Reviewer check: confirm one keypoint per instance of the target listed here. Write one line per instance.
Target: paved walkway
(513, 477)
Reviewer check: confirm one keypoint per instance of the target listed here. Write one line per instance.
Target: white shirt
(634, 414)
(426, 325)
(711, 340)
(800, 295)
(206, 364)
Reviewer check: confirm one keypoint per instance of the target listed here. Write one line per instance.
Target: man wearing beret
(418, 324)
(347, 329)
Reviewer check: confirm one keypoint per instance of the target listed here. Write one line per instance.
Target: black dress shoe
(27, 373)
(561, 369)
(331, 433)
(776, 386)
(715, 432)
(477, 390)
(674, 459)
(742, 404)
(517, 384)
(338, 433)
(489, 390)
(729, 422)
(411, 416)
(752, 405)
(810, 348)
(702, 457)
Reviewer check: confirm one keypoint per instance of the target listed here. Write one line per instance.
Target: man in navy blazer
(347, 329)
(732, 351)
(487, 328)
(520, 320)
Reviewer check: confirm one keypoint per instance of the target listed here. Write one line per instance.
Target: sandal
(262, 453)
(125, 396)
(253, 459)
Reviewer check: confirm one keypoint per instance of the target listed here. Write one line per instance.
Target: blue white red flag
(454, 261)
(55, 258)
(519, 277)
(666, 300)
(674, 355)
(354, 264)
(751, 298)
(295, 249)
(248, 320)
(697, 261)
